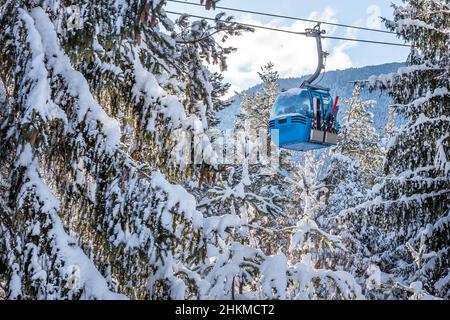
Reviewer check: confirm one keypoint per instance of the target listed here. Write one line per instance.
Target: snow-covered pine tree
(219, 89)
(389, 129)
(265, 180)
(405, 223)
(356, 160)
(245, 186)
(359, 139)
(239, 206)
(346, 189)
(66, 169)
(312, 248)
(354, 164)
(256, 108)
(243, 266)
(308, 198)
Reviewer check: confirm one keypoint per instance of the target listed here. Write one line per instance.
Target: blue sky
(295, 55)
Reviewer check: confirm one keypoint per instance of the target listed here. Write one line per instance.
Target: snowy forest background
(94, 205)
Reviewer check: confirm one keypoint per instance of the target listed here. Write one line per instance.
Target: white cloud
(293, 55)
(339, 58)
(373, 21)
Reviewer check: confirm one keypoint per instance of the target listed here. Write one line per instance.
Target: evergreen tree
(389, 130)
(354, 164)
(267, 179)
(249, 187)
(311, 243)
(66, 167)
(405, 223)
(359, 139)
(256, 108)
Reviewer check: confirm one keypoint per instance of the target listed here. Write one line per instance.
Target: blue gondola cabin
(304, 119)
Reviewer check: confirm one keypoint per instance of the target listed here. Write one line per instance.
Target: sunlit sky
(295, 55)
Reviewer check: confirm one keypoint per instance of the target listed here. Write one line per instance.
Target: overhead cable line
(291, 32)
(287, 17)
(242, 24)
(367, 41)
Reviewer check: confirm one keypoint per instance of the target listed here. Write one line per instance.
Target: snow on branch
(438, 92)
(38, 99)
(404, 199)
(147, 87)
(306, 227)
(177, 197)
(441, 159)
(34, 193)
(402, 25)
(87, 109)
(385, 80)
(308, 280)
